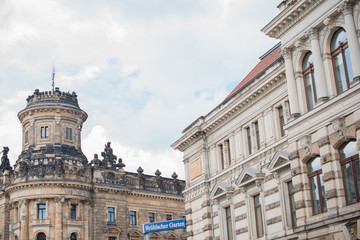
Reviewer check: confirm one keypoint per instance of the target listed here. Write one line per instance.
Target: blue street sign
(164, 226)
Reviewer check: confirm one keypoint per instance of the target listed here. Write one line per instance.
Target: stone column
(24, 220)
(320, 79)
(290, 80)
(347, 10)
(59, 218)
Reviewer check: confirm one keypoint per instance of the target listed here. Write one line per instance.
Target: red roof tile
(270, 57)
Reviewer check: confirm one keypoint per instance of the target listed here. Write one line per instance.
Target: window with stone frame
(341, 61)
(41, 211)
(44, 132)
(73, 211)
(151, 217)
(350, 166)
(248, 136)
(257, 135)
(258, 216)
(41, 236)
(68, 133)
(227, 144)
(222, 160)
(73, 236)
(281, 120)
(291, 193)
(111, 214)
(169, 217)
(133, 218)
(309, 81)
(316, 186)
(228, 222)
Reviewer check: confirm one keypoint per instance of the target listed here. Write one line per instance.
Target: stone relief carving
(339, 127)
(305, 143)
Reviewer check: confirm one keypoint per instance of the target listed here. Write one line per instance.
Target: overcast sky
(143, 70)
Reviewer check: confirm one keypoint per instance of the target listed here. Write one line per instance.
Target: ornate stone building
(53, 192)
(279, 157)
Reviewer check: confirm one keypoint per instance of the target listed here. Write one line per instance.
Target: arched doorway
(41, 236)
(73, 236)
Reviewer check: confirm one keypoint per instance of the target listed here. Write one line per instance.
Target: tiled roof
(265, 61)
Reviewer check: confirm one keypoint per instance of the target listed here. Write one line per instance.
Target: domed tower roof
(49, 98)
(51, 127)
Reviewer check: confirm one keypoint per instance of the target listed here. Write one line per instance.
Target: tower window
(132, 217)
(111, 214)
(45, 132)
(151, 217)
(41, 213)
(73, 211)
(68, 134)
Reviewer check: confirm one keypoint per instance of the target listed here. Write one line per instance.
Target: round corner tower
(51, 125)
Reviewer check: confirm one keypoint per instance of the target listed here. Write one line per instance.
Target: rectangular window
(45, 132)
(151, 217)
(257, 133)
(73, 211)
(281, 120)
(228, 223)
(258, 216)
(68, 133)
(111, 214)
(41, 211)
(132, 217)
(168, 217)
(227, 143)
(248, 134)
(291, 191)
(222, 161)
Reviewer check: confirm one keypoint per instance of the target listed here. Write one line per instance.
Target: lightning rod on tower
(53, 78)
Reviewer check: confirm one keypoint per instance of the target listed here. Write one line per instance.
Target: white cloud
(144, 70)
(167, 161)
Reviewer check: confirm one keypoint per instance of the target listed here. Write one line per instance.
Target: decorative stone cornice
(312, 33)
(286, 53)
(345, 8)
(289, 17)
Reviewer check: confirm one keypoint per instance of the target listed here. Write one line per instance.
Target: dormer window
(45, 132)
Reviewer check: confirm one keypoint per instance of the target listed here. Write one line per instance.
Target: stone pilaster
(321, 86)
(291, 85)
(347, 10)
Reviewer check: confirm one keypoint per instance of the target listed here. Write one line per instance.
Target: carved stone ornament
(312, 33)
(305, 143)
(286, 53)
(328, 21)
(299, 44)
(345, 8)
(5, 163)
(339, 127)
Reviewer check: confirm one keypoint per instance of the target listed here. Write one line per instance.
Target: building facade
(54, 192)
(279, 157)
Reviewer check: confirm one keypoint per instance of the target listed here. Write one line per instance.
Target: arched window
(73, 236)
(316, 186)
(309, 81)
(341, 61)
(350, 166)
(41, 236)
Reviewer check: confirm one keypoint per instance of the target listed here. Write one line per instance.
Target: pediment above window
(249, 176)
(112, 230)
(221, 189)
(135, 233)
(279, 161)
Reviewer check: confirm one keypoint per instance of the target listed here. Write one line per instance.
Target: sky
(143, 70)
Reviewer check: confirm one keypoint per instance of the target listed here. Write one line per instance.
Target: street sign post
(164, 226)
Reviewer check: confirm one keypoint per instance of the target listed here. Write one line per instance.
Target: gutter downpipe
(209, 190)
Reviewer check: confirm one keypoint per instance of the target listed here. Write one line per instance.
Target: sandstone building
(54, 192)
(279, 157)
